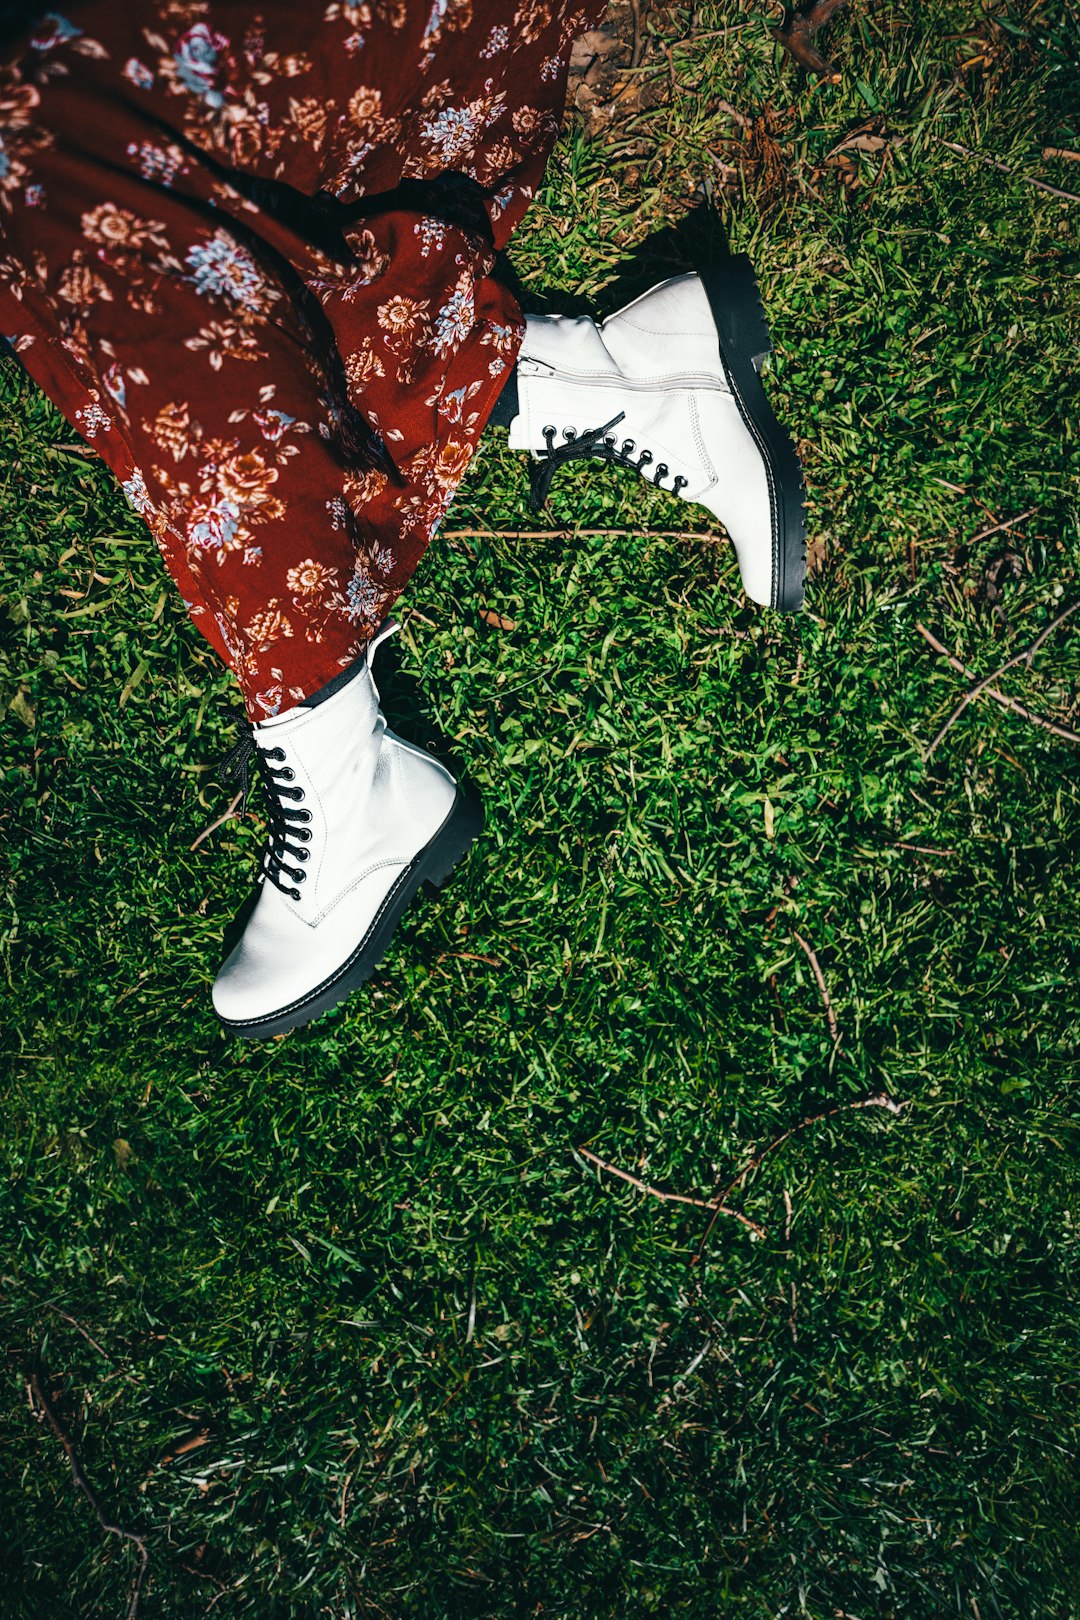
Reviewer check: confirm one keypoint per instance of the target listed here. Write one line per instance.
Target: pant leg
(161, 308)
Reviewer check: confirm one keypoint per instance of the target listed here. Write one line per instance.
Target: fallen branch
(718, 1208)
(220, 822)
(822, 986)
(469, 956)
(1061, 152)
(877, 1100)
(1007, 168)
(1007, 523)
(37, 1391)
(924, 849)
(985, 684)
(796, 34)
(577, 534)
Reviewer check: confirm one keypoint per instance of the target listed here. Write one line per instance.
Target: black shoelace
(598, 442)
(282, 826)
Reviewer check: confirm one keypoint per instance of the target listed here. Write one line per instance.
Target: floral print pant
(248, 252)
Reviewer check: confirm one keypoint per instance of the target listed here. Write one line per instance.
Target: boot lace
(597, 442)
(284, 823)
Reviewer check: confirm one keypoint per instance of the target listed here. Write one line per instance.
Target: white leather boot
(358, 820)
(676, 372)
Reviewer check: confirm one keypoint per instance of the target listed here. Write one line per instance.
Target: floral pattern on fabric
(222, 352)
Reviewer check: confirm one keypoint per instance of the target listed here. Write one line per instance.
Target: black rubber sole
(433, 866)
(743, 331)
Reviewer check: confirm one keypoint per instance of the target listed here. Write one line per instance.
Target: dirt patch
(620, 68)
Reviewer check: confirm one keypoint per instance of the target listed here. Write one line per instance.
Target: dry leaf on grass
(496, 620)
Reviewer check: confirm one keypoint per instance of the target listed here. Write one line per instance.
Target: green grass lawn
(350, 1323)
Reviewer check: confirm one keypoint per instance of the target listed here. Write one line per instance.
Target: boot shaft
(372, 798)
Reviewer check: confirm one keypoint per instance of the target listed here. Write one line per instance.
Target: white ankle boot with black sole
(677, 373)
(358, 820)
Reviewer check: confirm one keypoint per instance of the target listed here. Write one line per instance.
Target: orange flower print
(81, 285)
(309, 578)
(366, 487)
(365, 107)
(401, 314)
(268, 626)
(309, 116)
(171, 430)
(246, 479)
(119, 227)
(363, 364)
(530, 19)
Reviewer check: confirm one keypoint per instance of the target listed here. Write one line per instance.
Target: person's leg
(157, 302)
(226, 358)
(669, 386)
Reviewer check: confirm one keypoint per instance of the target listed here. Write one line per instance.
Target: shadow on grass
(698, 238)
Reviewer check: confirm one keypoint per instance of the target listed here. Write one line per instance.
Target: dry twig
(1007, 168)
(796, 34)
(877, 1100)
(576, 534)
(469, 956)
(985, 684)
(822, 986)
(718, 1208)
(220, 822)
(37, 1391)
(1007, 523)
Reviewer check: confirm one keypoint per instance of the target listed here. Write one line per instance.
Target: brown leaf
(496, 620)
(816, 556)
(861, 142)
(22, 708)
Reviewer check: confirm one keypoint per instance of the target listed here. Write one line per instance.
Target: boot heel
(743, 331)
(465, 821)
(737, 308)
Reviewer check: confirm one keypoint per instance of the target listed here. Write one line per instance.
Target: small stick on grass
(996, 528)
(577, 534)
(469, 956)
(220, 822)
(671, 1198)
(877, 1100)
(999, 697)
(36, 1387)
(796, 35)
(1024, 656)
(1007, 168)
(822, 986)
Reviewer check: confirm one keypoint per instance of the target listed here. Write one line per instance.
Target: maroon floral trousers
(248, 252)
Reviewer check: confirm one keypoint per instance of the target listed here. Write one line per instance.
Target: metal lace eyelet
(609, 438)
(287, 775)
(551, 428)
(627, 446)
(570, 434)
(645, 458)
(304, 815)
(294, 894)
(299, 877)
(303, 833)
(274, 753)
(303, 854)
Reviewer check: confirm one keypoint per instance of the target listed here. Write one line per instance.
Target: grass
(344, 1324)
